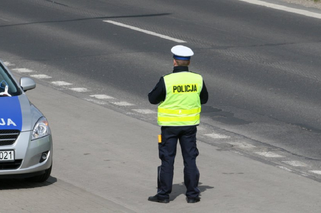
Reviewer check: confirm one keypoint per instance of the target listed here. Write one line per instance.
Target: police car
(25, 137)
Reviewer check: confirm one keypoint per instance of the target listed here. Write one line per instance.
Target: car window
(8, 86)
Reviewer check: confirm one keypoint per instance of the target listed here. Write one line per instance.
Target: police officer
(179, 95)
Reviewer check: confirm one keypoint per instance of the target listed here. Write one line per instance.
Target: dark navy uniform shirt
(158, 94)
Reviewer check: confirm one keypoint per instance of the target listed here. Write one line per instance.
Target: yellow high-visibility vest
(182, 104)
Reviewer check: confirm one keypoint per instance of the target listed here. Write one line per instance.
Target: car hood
(18, 113)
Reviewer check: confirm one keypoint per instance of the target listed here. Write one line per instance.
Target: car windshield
(7, 85)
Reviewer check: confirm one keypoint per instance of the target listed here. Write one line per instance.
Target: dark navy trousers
(186, 135)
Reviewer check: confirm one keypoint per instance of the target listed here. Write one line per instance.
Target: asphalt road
(105, 161)
(261, 67)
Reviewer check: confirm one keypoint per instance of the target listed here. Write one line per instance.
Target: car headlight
(41, 129)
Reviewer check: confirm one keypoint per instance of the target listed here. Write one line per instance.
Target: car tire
(41, 178)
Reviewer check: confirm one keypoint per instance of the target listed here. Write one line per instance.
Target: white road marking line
(61, 83)
(285, 168)
(22, 70)
(318, 172)
(122, 103)
(284, 8)
(8, 64)
(145, 111)
(217, 136)
(79, 89)
(295, 163)
(101, 96)
(95, 101)
(41, 76)
(269, 154)
(144, 31)
(242, 145)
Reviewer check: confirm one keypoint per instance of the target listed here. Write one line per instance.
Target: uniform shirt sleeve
(158, 94)
(204, 94)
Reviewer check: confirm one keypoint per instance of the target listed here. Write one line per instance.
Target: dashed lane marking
(41, 76)
(295, 163)
(96, 101)
(101, 96)
(8, 64)
(269, 154)
(217, 136)
(144, 111)
(22, 70)
(285, 168)
(79, 89)
(144, 31)
(61, 83)
(318, 172)
(122, 103)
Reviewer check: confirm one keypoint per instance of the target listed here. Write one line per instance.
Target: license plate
(6, 155)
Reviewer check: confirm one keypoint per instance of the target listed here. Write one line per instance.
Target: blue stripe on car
(10, 113)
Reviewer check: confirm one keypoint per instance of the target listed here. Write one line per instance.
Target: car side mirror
(27, 83)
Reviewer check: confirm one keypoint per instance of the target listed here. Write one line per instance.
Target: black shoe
(158, 199)
(193, 199)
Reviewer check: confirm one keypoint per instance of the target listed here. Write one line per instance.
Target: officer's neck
(180, 68)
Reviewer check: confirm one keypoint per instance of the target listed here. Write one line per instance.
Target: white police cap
(181, 52)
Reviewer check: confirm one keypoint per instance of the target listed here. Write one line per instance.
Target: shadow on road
(11, 184)
(179, 189)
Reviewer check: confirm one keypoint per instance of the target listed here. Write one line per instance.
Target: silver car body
(24, 131)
